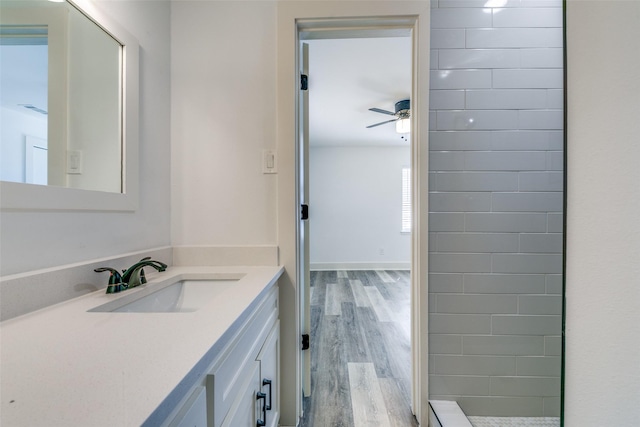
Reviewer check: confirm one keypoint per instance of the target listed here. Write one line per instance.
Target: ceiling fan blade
(381, 123)
(378, 110)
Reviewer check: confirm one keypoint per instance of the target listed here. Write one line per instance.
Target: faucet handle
(115, 280)
(114, 277)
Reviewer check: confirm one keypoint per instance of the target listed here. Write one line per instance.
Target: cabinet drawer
(226, 378)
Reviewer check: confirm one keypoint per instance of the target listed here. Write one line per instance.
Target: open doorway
(298, 21)
(359, 244)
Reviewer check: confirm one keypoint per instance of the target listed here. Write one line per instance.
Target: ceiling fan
(403, 113)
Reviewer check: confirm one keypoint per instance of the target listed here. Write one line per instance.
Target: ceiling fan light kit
(403, 126)
(402, 113)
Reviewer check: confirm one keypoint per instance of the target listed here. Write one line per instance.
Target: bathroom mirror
(69, 108)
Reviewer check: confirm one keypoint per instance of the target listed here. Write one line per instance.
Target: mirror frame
(20, 196)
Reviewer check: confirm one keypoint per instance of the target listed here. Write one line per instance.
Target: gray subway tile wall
(495, 221)
(474, 181)
(481, 58)
(525, 18)
(538, 366)
(505, 160)
(554, 284)
(449, 38)
(537, 181)
(521, 140)
(483, 99)
(534, 284)
(460, 79)
(475, 365)
(532, 79)
(476, 242)
(504, 345)
(542, 58)
(486, 38)
(476, 304)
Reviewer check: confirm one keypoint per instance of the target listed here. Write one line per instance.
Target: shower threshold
(514, 421)
(447, 413)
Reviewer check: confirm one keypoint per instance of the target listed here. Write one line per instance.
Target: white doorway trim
(294, 17)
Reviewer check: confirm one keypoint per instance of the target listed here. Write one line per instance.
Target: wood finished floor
(361, 350)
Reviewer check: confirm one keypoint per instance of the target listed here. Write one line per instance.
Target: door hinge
(304, 212)
(305, 341)
(304, 82)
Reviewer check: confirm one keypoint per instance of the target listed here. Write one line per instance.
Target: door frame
(294, 19)
(335, 29)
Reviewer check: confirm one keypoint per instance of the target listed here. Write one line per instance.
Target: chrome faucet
(131, 277)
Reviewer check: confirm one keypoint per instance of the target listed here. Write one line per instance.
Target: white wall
(355, 198)
(39, 239)
(603, 342)
(15, 126)
(602, 381)
(223, 116)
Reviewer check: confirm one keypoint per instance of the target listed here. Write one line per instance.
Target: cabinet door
(227, 378)
(194, 411)
(269, 358)
(247, 408)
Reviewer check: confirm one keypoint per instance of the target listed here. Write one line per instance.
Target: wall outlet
(381, 251)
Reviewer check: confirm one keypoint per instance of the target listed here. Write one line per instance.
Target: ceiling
(24, 77)
(349, 76)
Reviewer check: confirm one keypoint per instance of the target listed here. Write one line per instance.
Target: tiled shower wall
(496, 201)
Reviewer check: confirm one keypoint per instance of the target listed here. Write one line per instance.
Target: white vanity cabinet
(269, 359)
(194, 412)
(193, 368)
(241, 387)
(258, 402)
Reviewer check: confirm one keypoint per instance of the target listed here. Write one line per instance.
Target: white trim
(19, 196)
(290, 14)
(407, 211)
(333, 266)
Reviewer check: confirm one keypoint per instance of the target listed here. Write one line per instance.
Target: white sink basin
(174, 297)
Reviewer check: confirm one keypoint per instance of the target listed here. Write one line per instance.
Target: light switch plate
(74, 162)
(269, 161)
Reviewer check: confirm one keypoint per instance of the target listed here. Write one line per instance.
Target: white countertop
(64, 366)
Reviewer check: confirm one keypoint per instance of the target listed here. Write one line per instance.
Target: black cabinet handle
(264, 383)
(261, 396)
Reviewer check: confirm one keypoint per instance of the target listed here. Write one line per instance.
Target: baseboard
(330, 266)
(225, 255)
